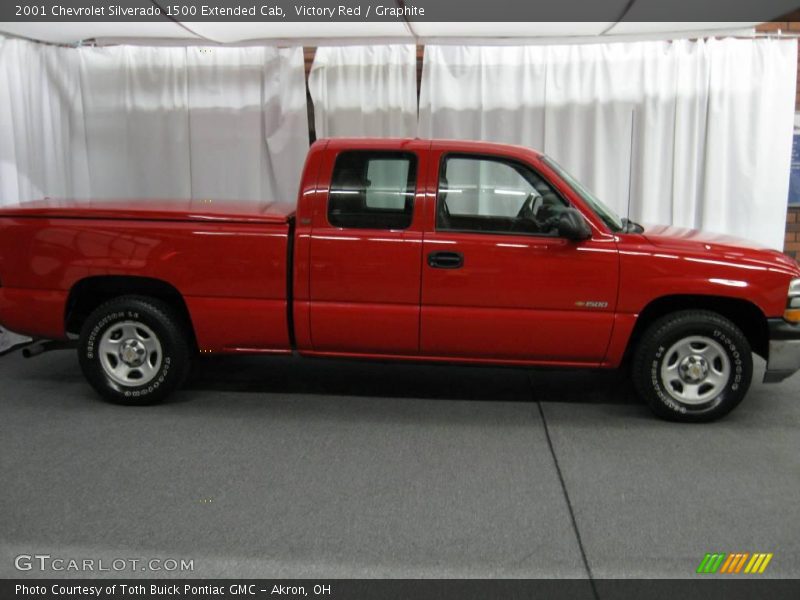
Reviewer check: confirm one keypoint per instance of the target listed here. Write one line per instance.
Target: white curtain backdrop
(696, 134)
(690, 133)
(139, 122)
(42, 134)
(364, 91)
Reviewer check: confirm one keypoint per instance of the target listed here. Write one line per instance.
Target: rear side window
(373, 190)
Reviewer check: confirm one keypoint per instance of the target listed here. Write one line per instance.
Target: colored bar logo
(734, 563)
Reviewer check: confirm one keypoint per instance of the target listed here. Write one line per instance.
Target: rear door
(498, 282)
(365, 249)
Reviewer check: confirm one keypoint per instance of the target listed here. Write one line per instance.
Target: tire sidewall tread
(664, 332)
(158, 316)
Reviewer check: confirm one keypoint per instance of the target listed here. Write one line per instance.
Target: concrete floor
(304, 468)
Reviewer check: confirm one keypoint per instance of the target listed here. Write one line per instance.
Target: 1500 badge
(591, 304)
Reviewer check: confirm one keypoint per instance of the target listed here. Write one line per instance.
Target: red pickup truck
(409, 250)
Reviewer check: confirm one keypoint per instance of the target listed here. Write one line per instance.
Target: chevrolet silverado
(450, 251)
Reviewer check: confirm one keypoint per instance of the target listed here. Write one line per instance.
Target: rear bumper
(784, 350)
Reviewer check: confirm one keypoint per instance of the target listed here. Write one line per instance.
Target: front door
(498, 282)
(366, 252)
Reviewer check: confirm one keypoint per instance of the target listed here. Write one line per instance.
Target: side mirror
(572, 225)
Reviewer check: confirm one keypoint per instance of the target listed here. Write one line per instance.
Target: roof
(472, 146)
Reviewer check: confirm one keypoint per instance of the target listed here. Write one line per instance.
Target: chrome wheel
(130, 353)
(695, 370)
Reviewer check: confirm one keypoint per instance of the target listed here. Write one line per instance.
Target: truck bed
(228, 261)
(143, 209)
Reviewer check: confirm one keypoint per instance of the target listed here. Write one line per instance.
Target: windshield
(608, 216)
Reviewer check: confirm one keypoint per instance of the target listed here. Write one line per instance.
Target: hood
(682, 239)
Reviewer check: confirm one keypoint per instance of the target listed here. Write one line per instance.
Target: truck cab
(448, 250)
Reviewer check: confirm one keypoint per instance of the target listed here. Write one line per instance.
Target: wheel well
(87, 294)
(745, 315)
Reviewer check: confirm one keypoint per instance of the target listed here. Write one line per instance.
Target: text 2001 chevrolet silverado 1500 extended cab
(409, 250)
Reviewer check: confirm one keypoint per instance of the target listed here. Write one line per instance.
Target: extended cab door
(498, 282)
(365, 249)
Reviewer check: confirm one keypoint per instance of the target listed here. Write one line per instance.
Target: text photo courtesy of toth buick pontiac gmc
(448, 251)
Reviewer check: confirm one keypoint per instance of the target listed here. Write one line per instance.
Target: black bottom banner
(389, 589)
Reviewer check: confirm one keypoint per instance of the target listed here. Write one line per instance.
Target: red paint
(232, 275)
(207, 211)
(518, 299)
(365, 283)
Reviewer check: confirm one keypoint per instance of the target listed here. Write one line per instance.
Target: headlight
(792, 312)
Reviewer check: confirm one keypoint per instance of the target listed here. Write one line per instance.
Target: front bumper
(784, 350)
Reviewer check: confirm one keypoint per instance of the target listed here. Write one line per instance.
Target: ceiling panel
(631, 28)
(70, 33)
(290, 33)
(233, 32)
(501, 30)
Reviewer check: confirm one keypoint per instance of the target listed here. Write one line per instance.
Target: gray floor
(289, 468)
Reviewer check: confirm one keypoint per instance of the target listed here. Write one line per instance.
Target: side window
(491, 195)
(373, 190)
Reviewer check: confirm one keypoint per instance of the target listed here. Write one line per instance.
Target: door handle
(446, 260)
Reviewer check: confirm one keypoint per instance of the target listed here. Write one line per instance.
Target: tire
(134, 350)
(692, 366)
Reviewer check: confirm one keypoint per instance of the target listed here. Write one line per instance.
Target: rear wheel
(134, 350)
(693, 366)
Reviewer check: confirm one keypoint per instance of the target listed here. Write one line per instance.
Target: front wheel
(693, 366)
(133, 350)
